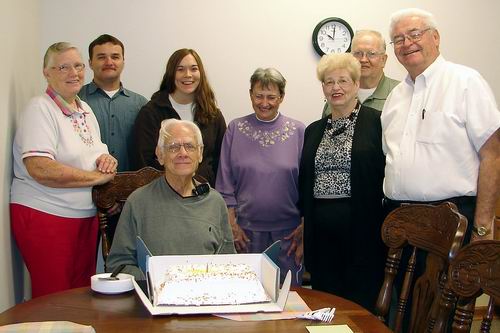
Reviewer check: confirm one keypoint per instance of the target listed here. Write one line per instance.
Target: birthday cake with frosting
(210, 284)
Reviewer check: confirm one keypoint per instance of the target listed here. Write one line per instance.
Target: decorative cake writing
(210, 284)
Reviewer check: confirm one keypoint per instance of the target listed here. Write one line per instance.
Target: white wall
(19, 80)
(234, 37)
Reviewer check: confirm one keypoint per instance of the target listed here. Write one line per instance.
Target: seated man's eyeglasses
(413, 36)
(369, 54)
(176, 147)
(65, 68)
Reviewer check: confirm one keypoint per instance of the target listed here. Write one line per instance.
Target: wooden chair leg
(464, 314)
(405, 292)
(486, 323)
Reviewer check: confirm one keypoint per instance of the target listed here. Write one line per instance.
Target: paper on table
(46, 327)
(329, 329)
(295, 305)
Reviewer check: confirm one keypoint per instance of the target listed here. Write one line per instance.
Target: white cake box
(263, 266)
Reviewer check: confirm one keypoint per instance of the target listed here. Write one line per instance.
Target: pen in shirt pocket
(423, 114)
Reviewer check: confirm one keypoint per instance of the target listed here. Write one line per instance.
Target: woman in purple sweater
(258, 175)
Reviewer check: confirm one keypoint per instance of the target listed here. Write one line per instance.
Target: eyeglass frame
(413, 36)
(343, 85)
(65, 68)
(175, 147)
(270, 98)
(369, 54)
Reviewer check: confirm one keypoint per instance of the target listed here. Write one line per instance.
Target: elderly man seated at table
(174, 214)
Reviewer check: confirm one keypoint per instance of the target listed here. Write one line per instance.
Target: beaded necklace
(341, 124)
(77, 116)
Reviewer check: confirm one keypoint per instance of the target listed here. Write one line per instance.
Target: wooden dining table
(126, 313)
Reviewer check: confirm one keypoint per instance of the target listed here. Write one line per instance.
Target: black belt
(459, 201)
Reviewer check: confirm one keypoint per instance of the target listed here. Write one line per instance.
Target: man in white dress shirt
(440, 128)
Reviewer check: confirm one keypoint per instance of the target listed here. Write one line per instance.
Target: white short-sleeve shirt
(45, 131)
(433, 129)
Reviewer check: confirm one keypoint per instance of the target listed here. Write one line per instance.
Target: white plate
(111, 287)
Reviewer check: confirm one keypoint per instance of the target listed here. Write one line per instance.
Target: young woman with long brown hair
(184, 94)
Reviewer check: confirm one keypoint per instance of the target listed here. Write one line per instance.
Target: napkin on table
(47, 327)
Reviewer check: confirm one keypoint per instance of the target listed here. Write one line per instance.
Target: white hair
(376, 34)
(55, 49)
(427, 17)
(167, 124)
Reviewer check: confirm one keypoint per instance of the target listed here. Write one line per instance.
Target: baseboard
(480, 312)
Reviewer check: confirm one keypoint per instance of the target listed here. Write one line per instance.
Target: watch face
(481, 231)
(332, 35)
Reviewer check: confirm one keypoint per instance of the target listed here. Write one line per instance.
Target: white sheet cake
(210, 284)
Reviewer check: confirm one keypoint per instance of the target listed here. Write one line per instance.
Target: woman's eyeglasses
(66, 68)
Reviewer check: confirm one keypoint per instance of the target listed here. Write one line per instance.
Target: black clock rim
(320, 24)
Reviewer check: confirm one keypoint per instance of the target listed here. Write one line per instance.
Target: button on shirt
(116, 116)
(433, 129)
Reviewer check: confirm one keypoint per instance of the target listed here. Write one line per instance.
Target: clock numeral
(322, 45)
(320, 38)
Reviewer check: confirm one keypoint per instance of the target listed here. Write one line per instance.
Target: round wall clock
(332, 35)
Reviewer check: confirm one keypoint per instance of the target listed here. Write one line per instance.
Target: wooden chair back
(436, 231)
(117, 191)
(475, 270)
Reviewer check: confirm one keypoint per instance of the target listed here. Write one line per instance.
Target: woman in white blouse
(58, 157)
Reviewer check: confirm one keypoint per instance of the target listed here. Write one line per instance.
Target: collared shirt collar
(429, 71)
(93, 88)
(67, 109)
(380, 91)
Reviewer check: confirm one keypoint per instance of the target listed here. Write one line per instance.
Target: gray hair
(427, 17)
(266, 77)
(376, 34)
(333, 61)
(166, 126)
(55, 49)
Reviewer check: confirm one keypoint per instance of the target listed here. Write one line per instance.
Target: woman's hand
(106, 163)
(297, 244)
(52, 173)
(239, 236)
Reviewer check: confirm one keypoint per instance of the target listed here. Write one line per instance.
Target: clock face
(332, 35)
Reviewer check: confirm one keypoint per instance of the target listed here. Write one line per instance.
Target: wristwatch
(481, 230)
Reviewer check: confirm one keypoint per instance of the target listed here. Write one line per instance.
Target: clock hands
(333, 35)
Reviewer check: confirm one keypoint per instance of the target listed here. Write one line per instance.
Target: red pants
(59, 252)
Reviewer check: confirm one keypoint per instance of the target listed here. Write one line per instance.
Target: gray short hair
(266, 77)
(166, 126)
(427, 17)
(57, 48)
(376, 34)
(333, 61)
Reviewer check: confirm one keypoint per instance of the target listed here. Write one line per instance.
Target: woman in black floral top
(341, 174)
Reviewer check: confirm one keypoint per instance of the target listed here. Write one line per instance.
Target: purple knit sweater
(259, 169)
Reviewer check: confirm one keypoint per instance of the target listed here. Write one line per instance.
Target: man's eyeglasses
(66, 68)
(176, 147)
(343, 83)
(369, 54)
(413, 36)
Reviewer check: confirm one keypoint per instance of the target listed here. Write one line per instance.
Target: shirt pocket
(432, 127)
